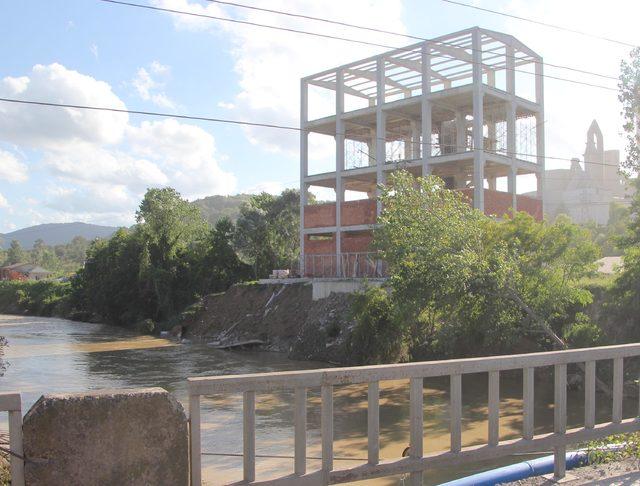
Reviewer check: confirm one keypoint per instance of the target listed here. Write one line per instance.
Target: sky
(64, 165)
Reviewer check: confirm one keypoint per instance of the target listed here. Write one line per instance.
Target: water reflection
(56, 355)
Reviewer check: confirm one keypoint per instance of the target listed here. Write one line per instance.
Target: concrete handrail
(325, 379)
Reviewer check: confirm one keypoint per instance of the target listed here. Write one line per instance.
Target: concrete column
(461, 132)
(511, 126)
(304, 164)
(415, 140)
(540, 127)
(492, 182)
(381, 129)
(478, 123)
(425, 109)
(340, 134)
(512, 187)
(371, 146)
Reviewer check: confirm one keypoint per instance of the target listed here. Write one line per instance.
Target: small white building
(586, 190)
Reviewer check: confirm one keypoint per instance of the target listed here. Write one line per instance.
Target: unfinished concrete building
(467, 107)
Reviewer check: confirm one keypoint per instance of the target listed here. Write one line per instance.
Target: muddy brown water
(47, 355)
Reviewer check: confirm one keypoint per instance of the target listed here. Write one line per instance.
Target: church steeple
(594, 151)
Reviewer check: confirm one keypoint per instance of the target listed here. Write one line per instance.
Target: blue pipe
(522, 470)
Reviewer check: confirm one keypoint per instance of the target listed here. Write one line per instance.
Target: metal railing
(11, 402)
(352, 265)
(417, 462)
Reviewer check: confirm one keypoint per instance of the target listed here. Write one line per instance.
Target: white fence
(417, 462)
(11, 402)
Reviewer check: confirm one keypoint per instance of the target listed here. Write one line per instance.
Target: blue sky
(65, 166)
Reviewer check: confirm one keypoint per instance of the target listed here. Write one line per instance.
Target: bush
(614, 448)
(583, 333)
(379, 336)
(43, 298)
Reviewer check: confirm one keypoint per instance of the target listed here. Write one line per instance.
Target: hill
(56, 233)
(214, 208)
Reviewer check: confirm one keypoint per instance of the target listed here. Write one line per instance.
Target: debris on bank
(275, 317)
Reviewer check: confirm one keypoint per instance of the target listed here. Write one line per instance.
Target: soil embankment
(276, 317)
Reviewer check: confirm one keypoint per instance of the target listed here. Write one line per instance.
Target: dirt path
(621, 473)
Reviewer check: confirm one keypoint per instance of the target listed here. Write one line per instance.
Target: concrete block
(109, 437)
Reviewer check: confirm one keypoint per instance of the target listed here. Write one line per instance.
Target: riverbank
(274, 317)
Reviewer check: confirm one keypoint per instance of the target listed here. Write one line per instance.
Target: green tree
(625, 291)
(476, 285)
(267, 231)
(169, 228)
(15, 253)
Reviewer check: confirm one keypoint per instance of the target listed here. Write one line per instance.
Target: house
(585, 191)
(23, 271)
(426, 108)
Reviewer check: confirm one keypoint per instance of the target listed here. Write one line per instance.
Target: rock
(128, 437)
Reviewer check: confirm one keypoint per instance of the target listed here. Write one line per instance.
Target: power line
(389, 32)
(334, 37)
(262, 125)
(538, 22)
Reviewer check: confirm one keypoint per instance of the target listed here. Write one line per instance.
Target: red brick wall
(498, 203)
(359, 212)
(531, 205)
(319, 247)
(319, 215)
(356, 243)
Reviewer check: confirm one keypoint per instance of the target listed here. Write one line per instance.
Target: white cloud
(3, 202)
(187, 152)
(94, 50)
(149, 88)
(158, 68)
(55, 128)
(11, 169)
(270, 63)
(99, 167)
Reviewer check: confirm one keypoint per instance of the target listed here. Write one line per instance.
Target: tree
(625, 291)
(267, 231)
(15, 253)
(477, 285)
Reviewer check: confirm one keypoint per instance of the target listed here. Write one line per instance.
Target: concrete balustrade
(414, 465)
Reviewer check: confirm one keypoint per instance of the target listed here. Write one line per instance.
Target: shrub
(379, 335)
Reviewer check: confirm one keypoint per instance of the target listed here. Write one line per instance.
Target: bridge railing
(417, 462)
(11, 403)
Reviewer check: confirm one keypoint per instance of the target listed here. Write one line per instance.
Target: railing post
(416, 432)
(456, 412)
(15, 444)
(590, 394)
(249, 435)
(300, 426)
(494, 408)
(194, 442)
(326, 426)
(560, 419)
(528, 408)
(618, 385)
(373, 423)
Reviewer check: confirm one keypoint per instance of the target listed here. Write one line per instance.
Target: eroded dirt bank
(282, 317)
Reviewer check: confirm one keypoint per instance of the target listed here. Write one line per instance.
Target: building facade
(467, 107)
(585, 193)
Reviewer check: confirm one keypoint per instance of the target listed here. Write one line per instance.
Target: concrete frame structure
(455, 106)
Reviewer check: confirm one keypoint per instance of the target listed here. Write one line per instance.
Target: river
(48, 355)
